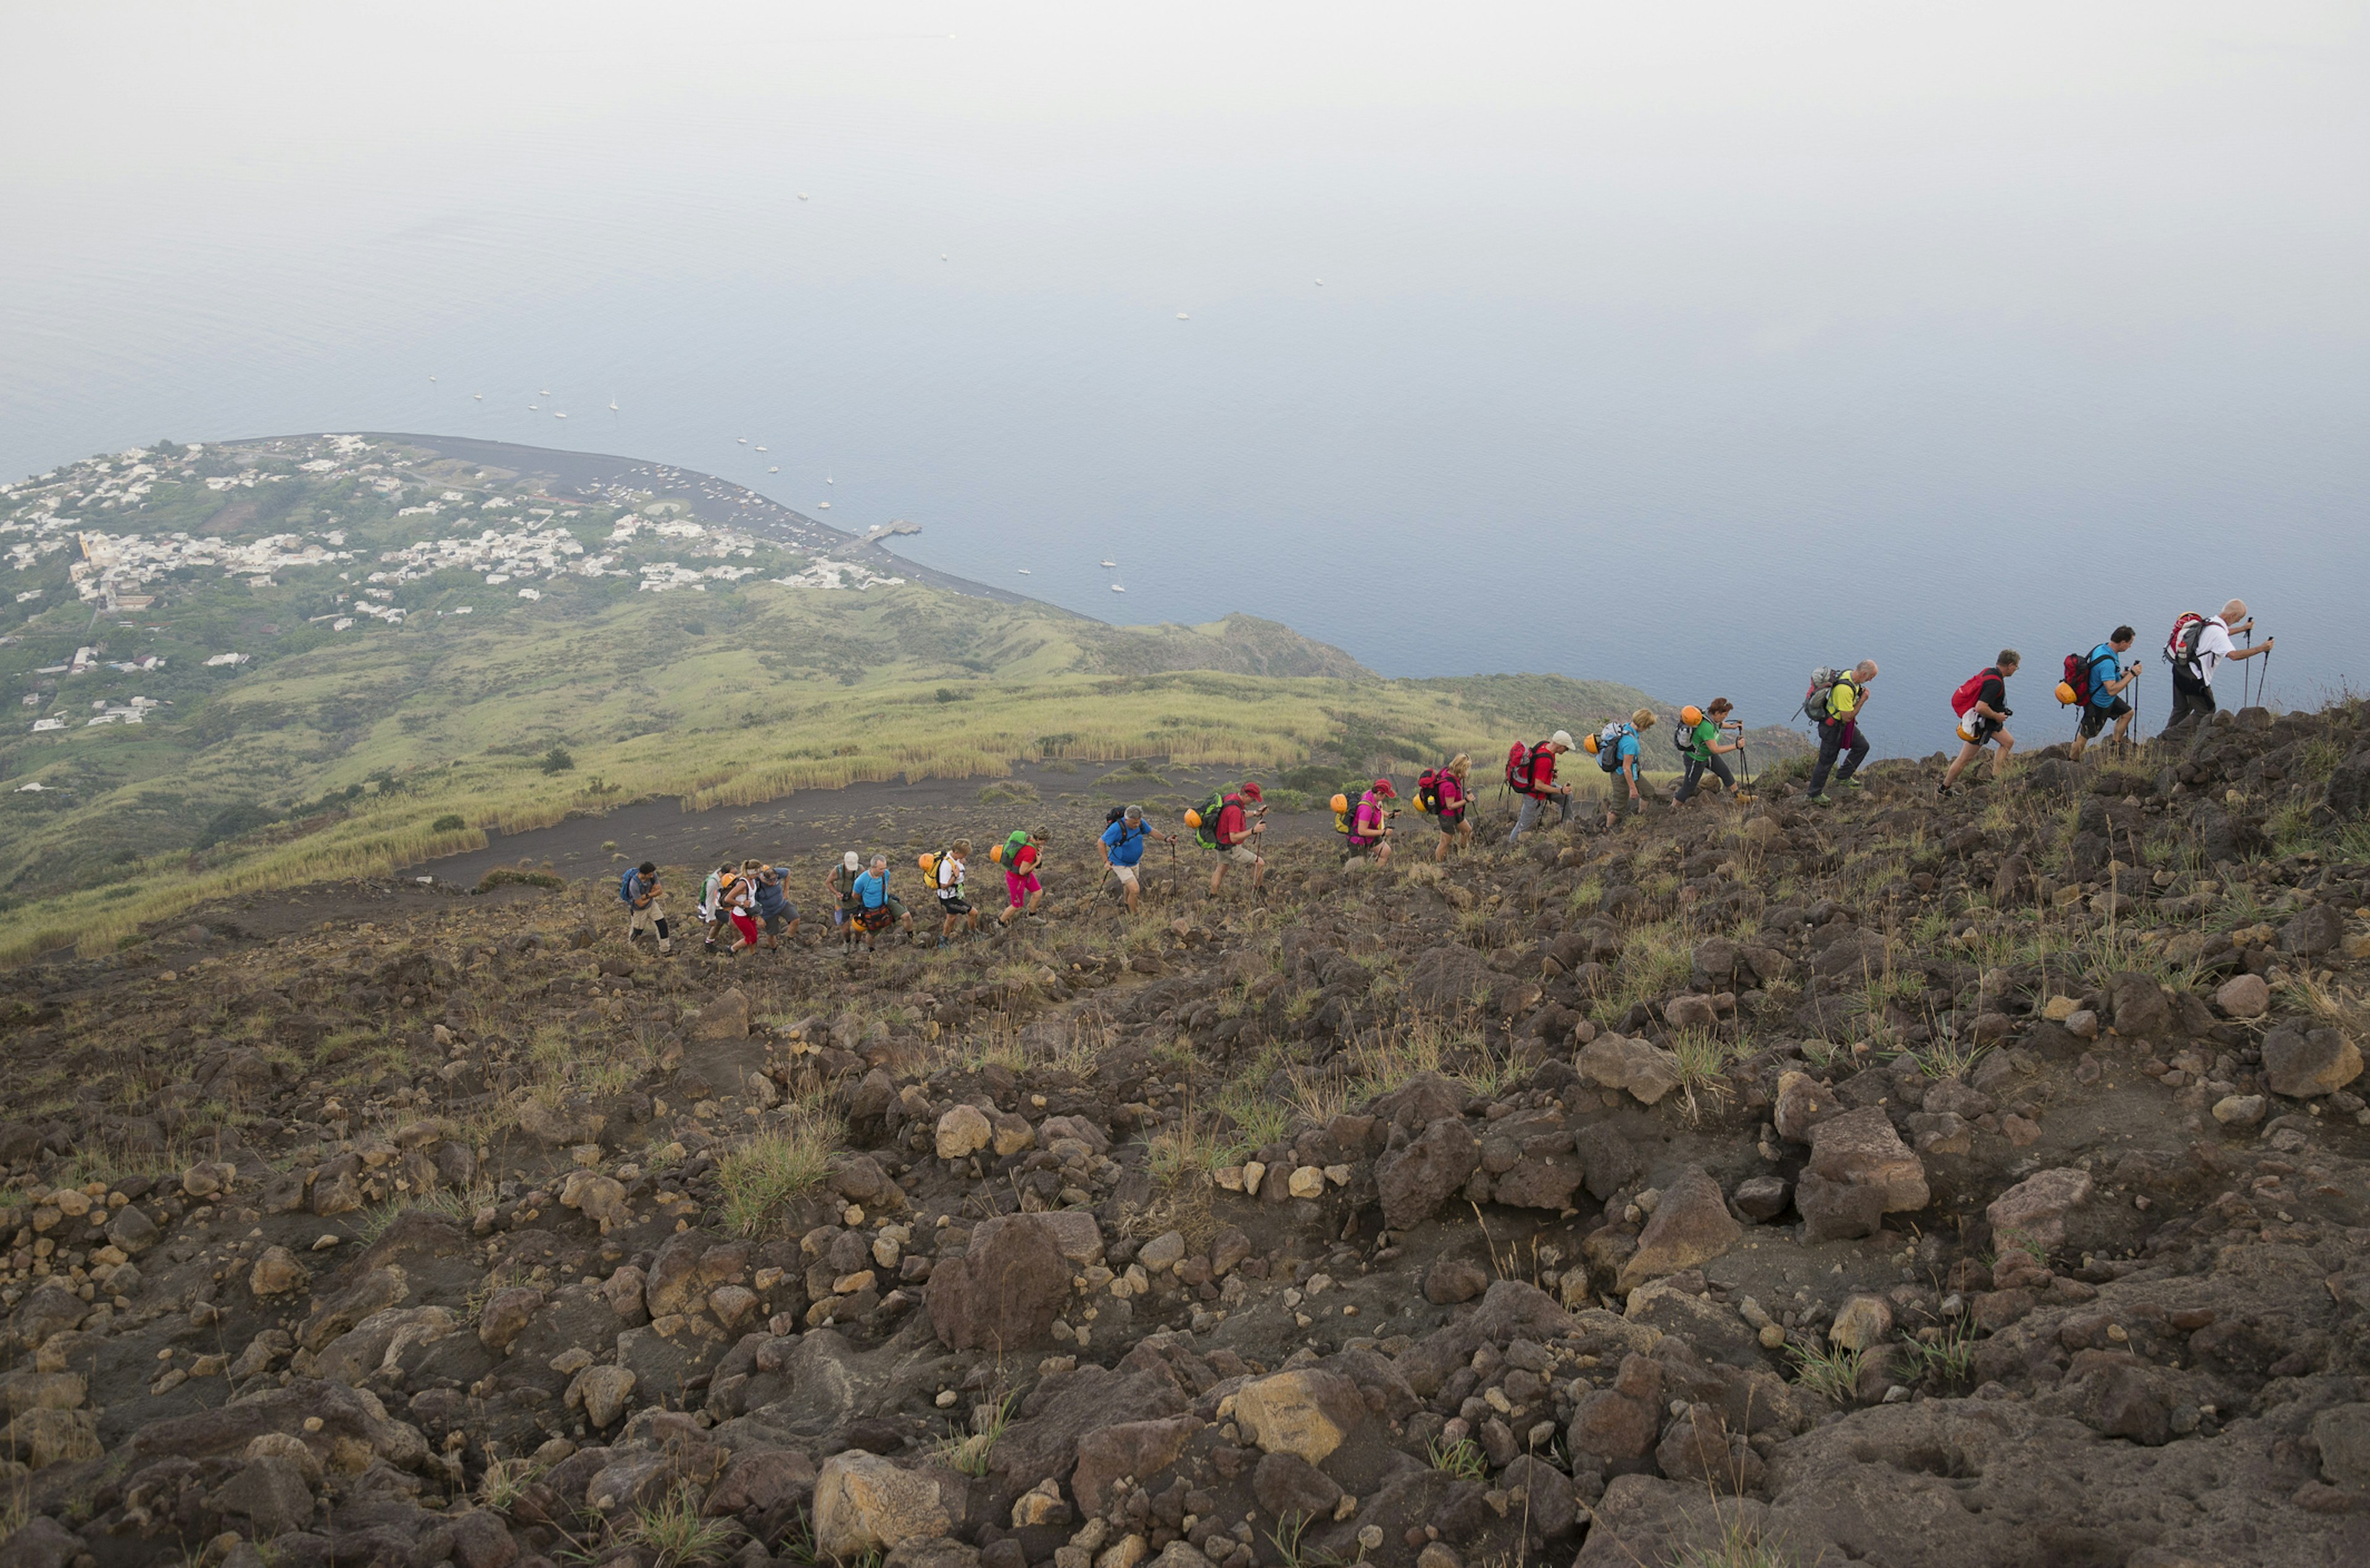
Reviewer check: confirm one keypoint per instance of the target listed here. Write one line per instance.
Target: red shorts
(1018, 887)
(747, 925)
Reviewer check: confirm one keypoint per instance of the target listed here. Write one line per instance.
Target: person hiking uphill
(1981, 704)
(1833, 704)
(2101, 691)
(738, 899)
(1530, 771)
(1451, 794)
(1237, 827)
(711, 905)
(1620, 753)
(1370, 823)
(841, 883)
(1122, 845)
(774, 906)
(640, 889)
(876, 907)
(1022, 891)
(954, 909)
(1699, 742)
(2198, 646)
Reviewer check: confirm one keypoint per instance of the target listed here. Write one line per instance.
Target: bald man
(2192, 679)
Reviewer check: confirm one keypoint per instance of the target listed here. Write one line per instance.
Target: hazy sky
(1623, 306)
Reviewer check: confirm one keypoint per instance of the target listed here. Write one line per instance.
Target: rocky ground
(1928, 1182)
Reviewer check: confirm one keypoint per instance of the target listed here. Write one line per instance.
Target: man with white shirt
(2197, 648)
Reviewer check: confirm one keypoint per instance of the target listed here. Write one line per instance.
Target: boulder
(2034, 1210)
(1608, 1161)
(1414, 1181)
(963, 1131)
(863, 1503)
(2141, 1009)
(1306, 1411)
(506, 1315)
(601, 1393)
(1538, 1182)
(1837, 1212)
(1619, 1062)
(2316, 929)
(2243, 996)
(1762, 1199)
(1131, 1448)
(1286, 1484)
(277, 1272)
(1005, 1290)
(2342, 1432)
(1802, 1104)
(1691, 1225)
(598, 1199)
(270, 1493)
(1451, 1280)
(1862, 1322)
(1861, 1149)
(2304, 1065)
(1610, 1425)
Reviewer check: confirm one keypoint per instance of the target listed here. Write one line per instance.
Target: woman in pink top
(1454, 795)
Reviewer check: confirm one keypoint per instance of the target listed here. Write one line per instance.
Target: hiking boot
(665, 947)
(1819, 800)
(1941, 792)
(1854, 784)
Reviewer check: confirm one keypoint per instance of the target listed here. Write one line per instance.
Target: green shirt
(1700, 738)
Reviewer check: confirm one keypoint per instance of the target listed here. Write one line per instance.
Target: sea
(1689, 347)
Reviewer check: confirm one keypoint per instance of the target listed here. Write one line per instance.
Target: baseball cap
(1383, 786)
(1250, 789)
(853, 861)
(1560, 737)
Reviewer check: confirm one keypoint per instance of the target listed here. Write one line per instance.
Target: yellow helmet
(1192, 817)
(1691, 714)
(1588, 743)
(2065, 692)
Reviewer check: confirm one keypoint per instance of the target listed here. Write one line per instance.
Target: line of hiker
(750, 900)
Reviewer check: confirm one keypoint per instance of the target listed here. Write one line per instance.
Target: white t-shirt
(2214, 644)
(951, 876)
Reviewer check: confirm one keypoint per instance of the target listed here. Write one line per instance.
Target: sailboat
(1109, 564)
(613, 405)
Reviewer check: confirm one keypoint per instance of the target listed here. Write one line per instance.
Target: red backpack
(1962, 701)
(1521, 764)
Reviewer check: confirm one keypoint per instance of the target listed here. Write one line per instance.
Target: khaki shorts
(1126, 874)
(1238, 854)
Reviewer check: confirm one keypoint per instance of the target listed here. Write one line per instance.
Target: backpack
(1522, 766)
(1823, 681)
(1204, 820)
(2074, 689)
(626, 887)
(1608, 745)
(1344, 813)
(1427, 791)
(1962, 701)
(929, 864)
(2181, 648)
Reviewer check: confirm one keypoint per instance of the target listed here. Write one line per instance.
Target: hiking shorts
(1238, 854)
(1980, 731)
(1451, 819)
(2095, 719)
(1126, 874)
(951, 906)
(781, 919)
(1018, 887)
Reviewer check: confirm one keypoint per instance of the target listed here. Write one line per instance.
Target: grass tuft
(760, 1175)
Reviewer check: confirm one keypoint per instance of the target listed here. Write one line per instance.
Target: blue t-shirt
(1627, 751)
(1126, 848)
(872, 892)
(2105, 666)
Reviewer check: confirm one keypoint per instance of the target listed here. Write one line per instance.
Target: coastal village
(178, 547)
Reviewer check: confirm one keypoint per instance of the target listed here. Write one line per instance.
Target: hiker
(711, 905)
(954, 909)
(2101, 691)
(1022, 891)
(773, 906)
(841, 883)
(1450, 794)
(876, 907)
(1835, 702)
(1620, 753)
(1530, 771)
(2199, 644)
(1370, 824)
(1699, 742)
(640, 889)
(738, 899)
(1981, 702)
(1236, 826)
(1122, 845)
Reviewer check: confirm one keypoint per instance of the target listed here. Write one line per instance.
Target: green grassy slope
(401, 693)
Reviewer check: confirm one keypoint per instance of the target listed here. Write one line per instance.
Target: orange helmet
(1691, 714)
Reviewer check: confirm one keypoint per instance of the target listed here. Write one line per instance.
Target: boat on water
(775, 469)
(479, 395)
(761, 449)
(1116, 589)
(1108, 564)
(825, 506)
(1024, 571)
(558, 415)
(743, 440)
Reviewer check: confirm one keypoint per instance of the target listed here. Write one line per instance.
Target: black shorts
(1983, 729)
(954, 907)
(1451, 819)
(2095, 719)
